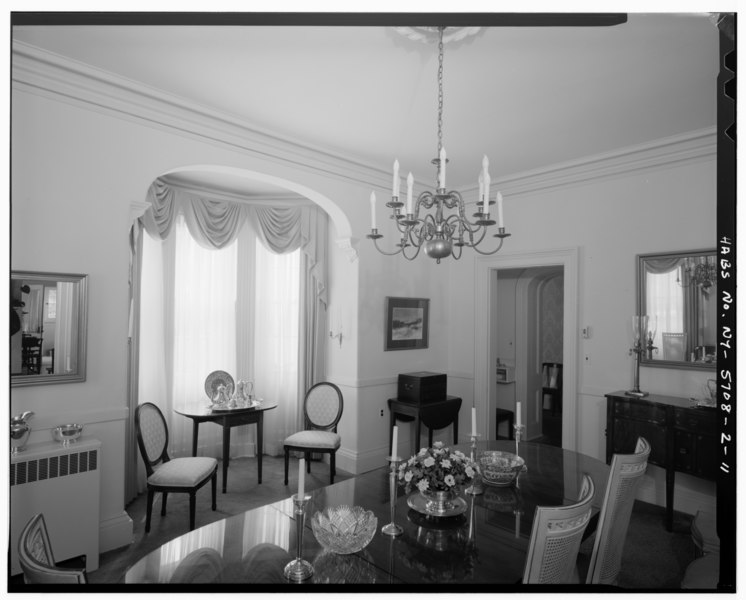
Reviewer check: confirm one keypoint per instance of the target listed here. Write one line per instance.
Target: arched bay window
(218, 284)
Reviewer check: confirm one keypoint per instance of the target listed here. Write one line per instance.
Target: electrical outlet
(381, 412)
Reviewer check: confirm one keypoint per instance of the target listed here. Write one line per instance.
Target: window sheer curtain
(184, 229)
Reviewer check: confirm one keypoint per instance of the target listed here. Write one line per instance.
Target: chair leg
(308, 462)
(163, 504)
(332, 469)
(149, 509)
(192, 509)
(214, 490)
(287, 464)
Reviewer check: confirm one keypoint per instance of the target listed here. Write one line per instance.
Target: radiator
(62, 483)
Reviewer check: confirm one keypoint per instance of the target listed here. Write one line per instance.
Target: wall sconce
(335, 336)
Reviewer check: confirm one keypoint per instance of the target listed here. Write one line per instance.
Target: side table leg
(259, 444)
(670, 480)
(226, 454)
(195, 435)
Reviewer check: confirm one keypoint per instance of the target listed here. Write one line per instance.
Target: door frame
(485, 304)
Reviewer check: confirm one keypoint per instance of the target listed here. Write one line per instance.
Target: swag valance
(215, 222)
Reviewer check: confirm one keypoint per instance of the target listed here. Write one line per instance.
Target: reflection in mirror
(678, 292)
(47, 328)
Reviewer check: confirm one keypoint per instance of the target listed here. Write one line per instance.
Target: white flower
(469, 472)
(438, 445)
(423, 452)
(429, 461)
(446, 464)
(422, 485)
(449, 480)
(408, 476)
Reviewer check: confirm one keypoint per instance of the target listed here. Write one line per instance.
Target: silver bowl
(67, 434)
(500, 468)
(344, 530)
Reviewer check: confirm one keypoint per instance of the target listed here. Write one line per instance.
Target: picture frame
(407, 323)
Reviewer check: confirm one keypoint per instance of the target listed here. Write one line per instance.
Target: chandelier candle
(372, 210)
(436, 221)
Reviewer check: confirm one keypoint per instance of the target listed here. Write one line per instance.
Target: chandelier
(700, 271)
(437, 222)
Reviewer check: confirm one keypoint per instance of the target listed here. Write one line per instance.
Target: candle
(518, 413)
(301, 478)
(395, 186)
(481, 189)
(473, 420)
(486, 177)
(500, 210)
(442, 170)
(372, 210)
(517, 524)
(410, 183)
(67, 365)
(394, 441)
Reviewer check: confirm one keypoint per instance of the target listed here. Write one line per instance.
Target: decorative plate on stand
(215, 380)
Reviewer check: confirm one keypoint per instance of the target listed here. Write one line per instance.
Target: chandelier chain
(440, 91)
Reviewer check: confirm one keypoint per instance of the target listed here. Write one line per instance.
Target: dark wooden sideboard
(682, 438)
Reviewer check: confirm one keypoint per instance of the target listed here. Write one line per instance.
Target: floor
(653, 558)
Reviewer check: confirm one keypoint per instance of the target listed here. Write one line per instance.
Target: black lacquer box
(422, 387)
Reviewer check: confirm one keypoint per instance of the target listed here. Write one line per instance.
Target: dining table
(486, 544)
(228, 417)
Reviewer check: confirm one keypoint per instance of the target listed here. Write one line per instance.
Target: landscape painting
(406, 323)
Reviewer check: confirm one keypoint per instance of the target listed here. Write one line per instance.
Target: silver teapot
(19, 432)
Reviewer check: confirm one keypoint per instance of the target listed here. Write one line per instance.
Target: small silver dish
(67, 434)
(500, 468)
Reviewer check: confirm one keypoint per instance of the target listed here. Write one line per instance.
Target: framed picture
(407, 322)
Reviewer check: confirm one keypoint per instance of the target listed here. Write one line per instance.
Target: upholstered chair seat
(322, 410)
(315, 439)
(184, 472)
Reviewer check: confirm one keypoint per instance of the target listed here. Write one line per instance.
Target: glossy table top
(487, 544)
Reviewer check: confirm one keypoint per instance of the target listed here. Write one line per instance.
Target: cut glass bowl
(500, 468)
(344, 530)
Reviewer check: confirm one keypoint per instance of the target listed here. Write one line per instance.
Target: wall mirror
(678, 292)
(47, 328)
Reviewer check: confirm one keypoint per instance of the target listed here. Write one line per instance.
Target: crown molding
(50, 75)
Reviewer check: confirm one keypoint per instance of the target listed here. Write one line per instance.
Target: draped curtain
(184, 225)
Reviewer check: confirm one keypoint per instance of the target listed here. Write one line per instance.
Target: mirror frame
(641, 304)
(80, 373)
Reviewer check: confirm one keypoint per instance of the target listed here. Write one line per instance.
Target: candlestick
(410, 183)
(395, 186)
(500, 210)
(486, 182)
(519, 429)
(442, 169)
(392, 528)
(299, 569)
(301, 477)
(476, 486)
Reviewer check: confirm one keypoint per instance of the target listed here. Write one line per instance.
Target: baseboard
(115, 532)
(361, 462)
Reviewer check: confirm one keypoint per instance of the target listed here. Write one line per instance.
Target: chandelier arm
(404, 254)
(500, 245)
(394, 253)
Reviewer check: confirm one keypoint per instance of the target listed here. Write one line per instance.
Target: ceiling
(526, 97)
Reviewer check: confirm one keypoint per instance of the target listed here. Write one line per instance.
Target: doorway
(490, 346)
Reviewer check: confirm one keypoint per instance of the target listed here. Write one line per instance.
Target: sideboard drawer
(642, 411)
(695, 420)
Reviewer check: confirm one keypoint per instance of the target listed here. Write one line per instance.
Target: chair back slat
(555, 539)
(624, 478)
(323, 406)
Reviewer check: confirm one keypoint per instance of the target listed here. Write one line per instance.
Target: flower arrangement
(436, 469)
